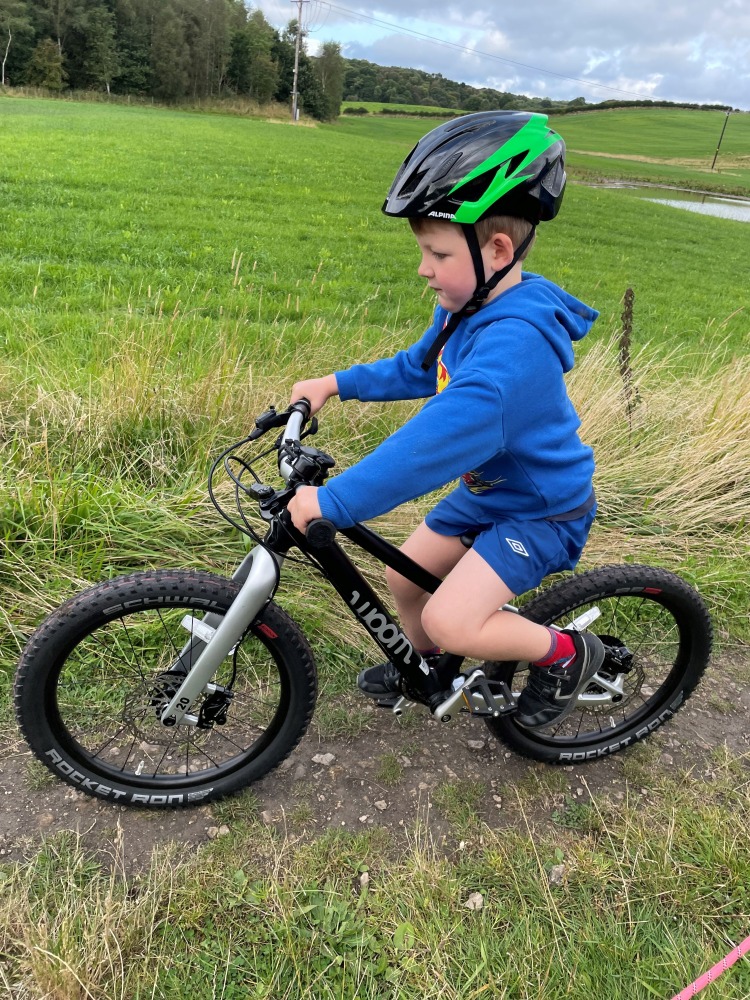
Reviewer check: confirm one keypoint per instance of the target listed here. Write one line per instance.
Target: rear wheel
(95, 677)
(657, 636)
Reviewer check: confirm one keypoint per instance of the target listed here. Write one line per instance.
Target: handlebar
(321, 531)
(300, 413)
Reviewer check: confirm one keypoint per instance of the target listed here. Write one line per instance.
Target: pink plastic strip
(708, 977)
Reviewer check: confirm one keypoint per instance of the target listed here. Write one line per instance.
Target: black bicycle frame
(366, 606)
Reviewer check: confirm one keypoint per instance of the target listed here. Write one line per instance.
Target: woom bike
(172, 687)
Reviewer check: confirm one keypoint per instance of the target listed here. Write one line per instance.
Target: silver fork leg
(254, 594)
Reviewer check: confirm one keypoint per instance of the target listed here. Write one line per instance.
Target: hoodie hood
(558, 316)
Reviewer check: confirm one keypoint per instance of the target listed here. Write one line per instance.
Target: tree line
(171, 50)
(366, 81)
(178, 50)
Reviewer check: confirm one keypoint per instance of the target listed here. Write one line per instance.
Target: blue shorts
(521, 552)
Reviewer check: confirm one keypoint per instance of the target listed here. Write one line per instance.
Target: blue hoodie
(499, 417)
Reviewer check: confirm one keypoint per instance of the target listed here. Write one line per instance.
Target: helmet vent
(412, 183)
(515, 162)
(476, 188)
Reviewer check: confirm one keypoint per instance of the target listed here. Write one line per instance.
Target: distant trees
(169, 49)
(191, 49)
(14, 21)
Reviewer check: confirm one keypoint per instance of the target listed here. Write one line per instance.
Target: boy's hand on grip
(304, 507)
(317, 390)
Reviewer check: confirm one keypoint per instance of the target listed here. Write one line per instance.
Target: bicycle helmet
(490, 163)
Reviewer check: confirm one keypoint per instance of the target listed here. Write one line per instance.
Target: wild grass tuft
(625, 900)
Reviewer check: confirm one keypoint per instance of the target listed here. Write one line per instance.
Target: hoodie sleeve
(399, 377)
(453, 432)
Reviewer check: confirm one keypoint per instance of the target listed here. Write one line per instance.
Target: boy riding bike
(498, 417)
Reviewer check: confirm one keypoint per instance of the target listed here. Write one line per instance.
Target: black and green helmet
(490, 163)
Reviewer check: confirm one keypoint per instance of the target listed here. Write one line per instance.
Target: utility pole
(723, 127)
(295, 92)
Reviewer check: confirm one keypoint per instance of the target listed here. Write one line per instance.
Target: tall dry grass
(109, 476)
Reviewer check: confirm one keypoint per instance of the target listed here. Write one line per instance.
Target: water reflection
(722, 208)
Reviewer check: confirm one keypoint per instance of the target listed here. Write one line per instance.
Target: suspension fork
(260, 582)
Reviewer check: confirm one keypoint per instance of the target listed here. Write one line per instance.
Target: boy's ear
(501, 251)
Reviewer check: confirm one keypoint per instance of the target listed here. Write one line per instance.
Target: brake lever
(268, 420)
(274, 418)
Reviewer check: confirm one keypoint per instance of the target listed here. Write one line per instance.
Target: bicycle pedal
(388, 702)
(399, 706)
(474, 695)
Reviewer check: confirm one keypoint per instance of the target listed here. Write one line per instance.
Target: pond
(721, 206)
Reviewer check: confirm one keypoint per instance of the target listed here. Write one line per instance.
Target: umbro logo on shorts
(518, 547)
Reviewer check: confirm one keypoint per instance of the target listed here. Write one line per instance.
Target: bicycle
(168, 687)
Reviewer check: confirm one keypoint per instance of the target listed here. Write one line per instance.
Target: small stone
(667, 758)
(299, 772)
(267, 817)
(475, 901)
(364, 879)
(497, 798)
(556, 874)
(212, 832)
(462, 845)
(475, 744)
(363, 819)
(324, 758)
(423, 786)
(579, 791)
(381, 804)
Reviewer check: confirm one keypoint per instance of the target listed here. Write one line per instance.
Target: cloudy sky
(676, 50)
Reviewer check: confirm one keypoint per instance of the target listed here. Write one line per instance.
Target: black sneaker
(383, 682)
(550, 694)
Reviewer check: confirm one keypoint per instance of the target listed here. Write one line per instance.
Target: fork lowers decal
(377, 624)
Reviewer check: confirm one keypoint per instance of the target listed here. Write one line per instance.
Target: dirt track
(392, 773)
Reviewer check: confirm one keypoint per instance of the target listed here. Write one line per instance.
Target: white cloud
(679, 50)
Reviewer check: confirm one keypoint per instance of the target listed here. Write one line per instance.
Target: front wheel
(95, 677)
(657, 636)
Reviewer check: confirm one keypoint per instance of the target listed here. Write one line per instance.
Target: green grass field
(164, 276)
(378, 107)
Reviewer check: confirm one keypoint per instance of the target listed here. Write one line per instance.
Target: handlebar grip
(320, 533)
(303, 406)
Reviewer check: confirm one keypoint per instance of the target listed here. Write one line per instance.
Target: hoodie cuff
(331, 509)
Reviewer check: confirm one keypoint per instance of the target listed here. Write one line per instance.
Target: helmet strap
(483, 289)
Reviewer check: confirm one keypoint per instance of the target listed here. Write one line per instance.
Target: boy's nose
(424, 270)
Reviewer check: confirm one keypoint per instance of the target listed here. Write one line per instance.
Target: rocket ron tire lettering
(96, 674)
(665, 627)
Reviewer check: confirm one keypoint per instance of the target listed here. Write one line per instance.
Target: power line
(400, 30)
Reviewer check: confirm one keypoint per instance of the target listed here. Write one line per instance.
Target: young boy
(498, 417)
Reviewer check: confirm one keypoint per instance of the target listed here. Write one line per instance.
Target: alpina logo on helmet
(442, 215)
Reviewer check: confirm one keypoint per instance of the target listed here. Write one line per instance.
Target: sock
(561, 647)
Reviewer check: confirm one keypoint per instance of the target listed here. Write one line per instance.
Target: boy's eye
(439, 256)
